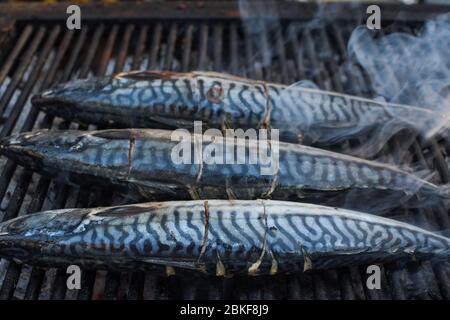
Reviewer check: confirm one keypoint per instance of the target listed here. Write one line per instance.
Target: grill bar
(17, 48)
(21, 70)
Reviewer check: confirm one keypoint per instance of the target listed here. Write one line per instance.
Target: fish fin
(226, 124)
(254, 268)
(307, 263)
(170, 271)
(300, 194)
(149, 75)
(230, 193)
(220, 268)
(274, 265)
(444, 191)
(193, 192)
(273, 186)
(201, 267)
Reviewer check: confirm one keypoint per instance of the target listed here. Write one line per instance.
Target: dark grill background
(38, 51)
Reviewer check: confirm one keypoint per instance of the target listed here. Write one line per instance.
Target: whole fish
(159, 164)
(167, 100)
(218, 237)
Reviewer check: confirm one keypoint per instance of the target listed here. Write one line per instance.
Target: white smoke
(405, 68)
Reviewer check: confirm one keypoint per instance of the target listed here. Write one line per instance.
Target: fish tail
(444, 192)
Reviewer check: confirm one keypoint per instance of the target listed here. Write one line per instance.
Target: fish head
(30, 237)
(68, 99)
(42, 149)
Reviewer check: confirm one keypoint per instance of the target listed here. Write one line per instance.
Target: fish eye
(33, 224)
(18, 226)
(14, 227)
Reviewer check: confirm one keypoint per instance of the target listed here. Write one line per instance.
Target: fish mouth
(12, 247)
(8, 246)
(40, 100)
(53, 104)
(19, 148)
(20, 139)
(48, 96)
(9, 142)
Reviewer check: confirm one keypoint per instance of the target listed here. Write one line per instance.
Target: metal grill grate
(37, 54)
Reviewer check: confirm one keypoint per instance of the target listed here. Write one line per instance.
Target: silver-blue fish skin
(167, 100)
(219, 237)
(141, 164)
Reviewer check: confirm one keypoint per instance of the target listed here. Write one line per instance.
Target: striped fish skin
(140, 163)
(162, 99)
(216, 236)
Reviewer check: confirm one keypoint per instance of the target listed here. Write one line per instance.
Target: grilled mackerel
(145, 164)
(216, 237)
(166, 100)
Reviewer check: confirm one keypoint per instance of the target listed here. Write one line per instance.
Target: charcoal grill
(38, 51)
